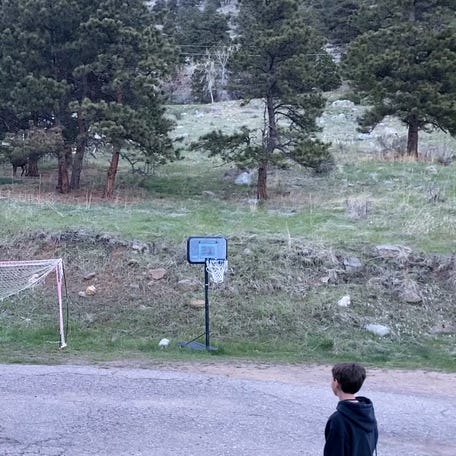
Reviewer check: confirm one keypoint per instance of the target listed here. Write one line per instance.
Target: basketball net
(217, 269)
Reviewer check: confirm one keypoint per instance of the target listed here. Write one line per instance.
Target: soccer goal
(17, 276)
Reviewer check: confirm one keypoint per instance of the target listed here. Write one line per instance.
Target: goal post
(17, 276)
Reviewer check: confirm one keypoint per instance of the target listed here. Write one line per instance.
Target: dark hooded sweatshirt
(352, 429)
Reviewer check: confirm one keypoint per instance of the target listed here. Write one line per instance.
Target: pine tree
(406, 67)
(280, 60)
(121, 78)
(374, 15)
(336, 19)
(36, 59)
(84, 66)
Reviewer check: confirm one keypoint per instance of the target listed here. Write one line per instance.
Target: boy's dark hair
(350, 376)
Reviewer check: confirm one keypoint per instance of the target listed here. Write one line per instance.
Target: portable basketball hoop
(212, 252)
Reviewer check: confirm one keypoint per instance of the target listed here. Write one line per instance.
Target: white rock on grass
(379, 330)
(163, 343)
(245, 178)
(345, 301)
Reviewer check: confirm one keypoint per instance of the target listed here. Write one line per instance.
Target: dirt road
(211, 409)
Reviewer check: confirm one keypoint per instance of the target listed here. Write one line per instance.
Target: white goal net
(17, 276)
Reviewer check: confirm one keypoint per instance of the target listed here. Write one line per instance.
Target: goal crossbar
(17, 276)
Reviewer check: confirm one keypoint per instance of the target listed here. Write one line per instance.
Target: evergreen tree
(280, 60)
(195, 26)
(379, 14)
(336, 19)
(201, 29)
(407, 69)
(36, 58)
(85, 67)
(121, 100)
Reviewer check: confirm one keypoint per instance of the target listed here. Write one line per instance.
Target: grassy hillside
(380, 229)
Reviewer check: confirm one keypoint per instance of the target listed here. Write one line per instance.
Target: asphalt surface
(86, 410)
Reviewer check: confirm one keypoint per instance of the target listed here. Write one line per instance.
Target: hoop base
(196, 346)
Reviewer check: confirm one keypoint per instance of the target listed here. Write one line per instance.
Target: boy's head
(350, 376)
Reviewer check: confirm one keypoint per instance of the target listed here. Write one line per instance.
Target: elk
(19, 162)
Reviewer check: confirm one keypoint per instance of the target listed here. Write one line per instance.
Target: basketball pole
(206, 305)
(207, 332)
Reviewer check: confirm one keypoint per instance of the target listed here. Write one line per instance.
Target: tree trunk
(262, 193)
(412, 12)
(273, 134)
(271, 143)
(32, 167)
(79, 155)
(114, 166)
(112, 171)
(63, 182)
(412, 140)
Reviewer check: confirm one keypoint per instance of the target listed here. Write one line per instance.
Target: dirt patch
(417, 382)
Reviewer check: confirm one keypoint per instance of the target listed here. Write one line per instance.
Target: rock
(133, 263)
(82, 294)
(188, 285)
(410, 296)
(346, 104)
(363, 137)
(330, 278)
(392, 251)
(345, 301)
(197, 303)
(379, 330)
(163, 342)
(352, 264)
(90, 276)
(157, 274)
(91, 290)
(245, 178)
(410, 292)
(209, 194)
(140, 247)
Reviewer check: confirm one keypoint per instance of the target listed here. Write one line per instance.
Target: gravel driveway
(211, 409)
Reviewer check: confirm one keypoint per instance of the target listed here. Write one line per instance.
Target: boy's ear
(335, 386)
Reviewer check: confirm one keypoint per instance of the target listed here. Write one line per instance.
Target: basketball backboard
(201, 249)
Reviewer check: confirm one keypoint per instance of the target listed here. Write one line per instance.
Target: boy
(352, 429)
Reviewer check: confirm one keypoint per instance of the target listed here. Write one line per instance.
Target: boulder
(411, 296)
(91, 290)
(157, 274)
(197, 303)
(379, 330)
(345, 301)
(188, 285)
(140, 247)
(392, 251)
(90, 276)
(245, 178)
(352, 264)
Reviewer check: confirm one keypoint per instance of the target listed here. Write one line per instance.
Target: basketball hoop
(211, 251)
(217, 269)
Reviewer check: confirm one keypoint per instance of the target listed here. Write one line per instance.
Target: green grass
(398, 197)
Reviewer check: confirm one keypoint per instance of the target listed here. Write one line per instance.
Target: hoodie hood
(361, 414)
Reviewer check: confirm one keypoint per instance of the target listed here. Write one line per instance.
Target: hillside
(370, 231)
